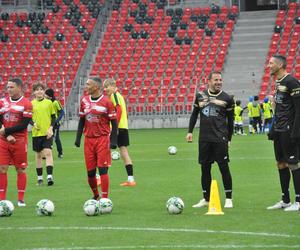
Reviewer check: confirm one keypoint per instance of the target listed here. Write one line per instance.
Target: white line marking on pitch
(153, 229)
(172, 247)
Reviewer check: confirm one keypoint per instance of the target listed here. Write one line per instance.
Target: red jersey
(97, 114)
(13, 112)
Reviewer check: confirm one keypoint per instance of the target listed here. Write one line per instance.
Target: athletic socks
(129, 170)
(285, 176)
(39, 172)
(3, 186)
(104, 185)
(250, 129)
(235, 129)
(93, 185)
(242, 130)
(21, 184)
(49, 170)
(296, 180)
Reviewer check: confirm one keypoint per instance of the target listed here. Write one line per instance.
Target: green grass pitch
(139, 219)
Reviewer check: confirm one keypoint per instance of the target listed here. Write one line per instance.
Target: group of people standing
(103, 121)
(260, 115)
(217, 111)
(44, 113)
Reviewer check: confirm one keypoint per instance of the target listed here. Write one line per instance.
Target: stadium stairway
(247, 53)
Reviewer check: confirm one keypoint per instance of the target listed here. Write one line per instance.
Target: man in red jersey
(15, 114)
(96, 113)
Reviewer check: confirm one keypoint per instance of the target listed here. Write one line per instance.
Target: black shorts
(285, 149)
(41, 142)
(123, 137)
(209, 152)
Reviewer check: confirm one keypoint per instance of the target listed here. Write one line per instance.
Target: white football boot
(201, 203)
(279, 205)
(228, 203)
(294, 207)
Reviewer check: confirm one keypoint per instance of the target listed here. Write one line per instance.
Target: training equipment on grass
(45, 207)
(105, 206)
(91, 208)
(175, 205)
(6, 208)
(115, 155)
(214, 205)
(172, 150)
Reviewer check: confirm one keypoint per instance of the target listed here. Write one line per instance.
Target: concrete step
(257, 22)
(253, 29)
(257, 14)
(252, 37)
(241, 58)
(252, 49)
(258, 43)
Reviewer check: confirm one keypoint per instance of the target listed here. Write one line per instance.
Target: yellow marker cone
(214, 206)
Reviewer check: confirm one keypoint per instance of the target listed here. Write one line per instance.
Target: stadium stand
(46, 46)
(285, 41)
(159, 54)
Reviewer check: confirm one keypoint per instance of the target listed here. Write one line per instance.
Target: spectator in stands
(216, 128)
(59, 114)
(123, 135)
(285, 132)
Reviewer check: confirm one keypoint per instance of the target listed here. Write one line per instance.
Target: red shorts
(97, 152)
(14, 154)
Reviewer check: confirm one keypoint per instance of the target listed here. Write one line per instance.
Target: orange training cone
(214, 206)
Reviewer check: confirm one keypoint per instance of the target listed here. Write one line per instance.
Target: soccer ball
(45, 207)
(105, 206)
(172, 150)
(91, 207)
(115, 155)
(175, 205)
(6, 208)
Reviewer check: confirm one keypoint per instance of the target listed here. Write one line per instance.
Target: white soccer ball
(6, 208)
(175, 205)
(172, 150)
(115, 155)
(105, 206)
(91, 207)
(45, 207)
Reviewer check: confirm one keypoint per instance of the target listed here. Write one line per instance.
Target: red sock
(21, 184)
(104, 185)
(93, 184)
(3, 186)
